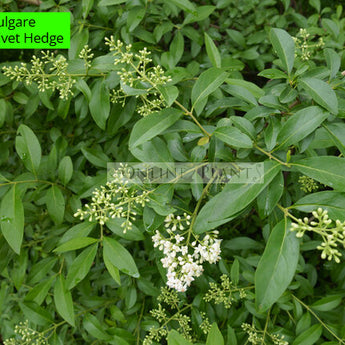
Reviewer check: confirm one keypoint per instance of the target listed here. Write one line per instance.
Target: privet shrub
(86, 259)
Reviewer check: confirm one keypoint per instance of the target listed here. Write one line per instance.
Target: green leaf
(80, 230)
(235, 272)
(135, 16)
(113, 271)
(185, 5)
(12, 218)
(231, 336)
(96, 157)
(100, 103)
(81, 266)
(154, 150)
(75, 243)
(232, 199)
(327, 303)
(325, 169)
(214, 336)
(284, 45)
(95, 328)
(172, 57)
(300, 125)
(273, 73)
(321, 92)
(201, 13)
(330, 26)
(277, 265)
(55, 204)
(175, 338)
(255, 90)
(333, 61)
(28, 148)
(333, 202)
(63, 300)
(336, 133)
(120, 257)
(152, 125)
(86, 6)
(169, 93)
(36, 314)
(244, 126)
(65, 169)
(269, 197)
(110, 2)
(114, 224)
(316, 4)
(212, 52)
(241, 92)
(233, 137)
(40, 291)
(310, 336)
(208, 82)
(271, 132)
(78, 41)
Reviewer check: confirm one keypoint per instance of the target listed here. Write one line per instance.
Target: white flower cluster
(115, 200)
(183, 260)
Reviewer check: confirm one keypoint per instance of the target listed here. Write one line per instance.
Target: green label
(35, 30)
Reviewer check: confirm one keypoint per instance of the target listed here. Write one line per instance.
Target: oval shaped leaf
(95, 328)
(81, 266)
(120, 257)
(233, 137)
(175, 338)
(300, 125)
(12, 219)
(310, 336)
(153, 125)
(212, 52)
(65, 169)
(63, 301)
(100, 103)
(325, 169)
(28, 148)
(75, 243)
(214, 336)
(232, 199)
(207, 83)
(327, 303)
(333, 202)
(321, 92)
(55, 204)
(277, 265)
(284, 45)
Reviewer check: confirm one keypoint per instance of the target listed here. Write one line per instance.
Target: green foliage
(88, 257)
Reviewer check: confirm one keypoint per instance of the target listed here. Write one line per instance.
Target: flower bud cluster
(49, 72)
(332, 235)
(26, 336)
(224, 293)
(117, 199)
(182, 259)
(307, 184)
(305, 46)
(257, 337)
(136, 74)
(86, 56)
